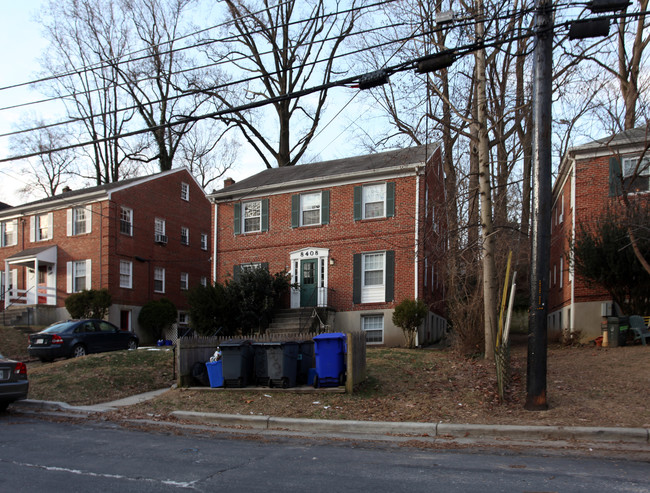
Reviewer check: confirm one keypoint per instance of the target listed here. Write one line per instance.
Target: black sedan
(13, 381)
(74, 338)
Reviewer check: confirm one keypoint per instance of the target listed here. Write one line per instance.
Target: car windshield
(60, 327)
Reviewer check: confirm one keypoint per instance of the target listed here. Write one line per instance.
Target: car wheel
(78, 351)
(133, 344)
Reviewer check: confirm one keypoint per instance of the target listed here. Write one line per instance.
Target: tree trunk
(487, 228)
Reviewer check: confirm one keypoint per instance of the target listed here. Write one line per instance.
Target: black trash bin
(261, 365)
(238, 359)
(305, 361)
(281, 359)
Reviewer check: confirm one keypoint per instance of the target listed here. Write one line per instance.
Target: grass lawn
(103, 377)
(586, 386)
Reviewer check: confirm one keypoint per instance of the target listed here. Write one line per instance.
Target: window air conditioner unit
(162, 239)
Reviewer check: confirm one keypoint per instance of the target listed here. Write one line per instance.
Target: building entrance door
(308, 280)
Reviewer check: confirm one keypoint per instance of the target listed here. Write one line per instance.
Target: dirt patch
(586, 386)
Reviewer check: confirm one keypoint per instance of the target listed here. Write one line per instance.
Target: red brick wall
(159, 198)
(105, 245)
(343, 236)
(591, 199)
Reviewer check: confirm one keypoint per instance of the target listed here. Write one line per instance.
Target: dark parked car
(75, 338)
(13, 381)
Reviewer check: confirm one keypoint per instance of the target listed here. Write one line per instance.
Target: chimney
(227, 182)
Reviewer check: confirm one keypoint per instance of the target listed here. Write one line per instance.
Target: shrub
(408, 316)
(156, 316)
(254, 296)
(89, 303)
(210, 310)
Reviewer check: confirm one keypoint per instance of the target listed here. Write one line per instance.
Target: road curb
(433, 430)
(437, 430)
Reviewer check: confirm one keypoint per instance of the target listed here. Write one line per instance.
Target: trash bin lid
(235, 342)
(332, 335)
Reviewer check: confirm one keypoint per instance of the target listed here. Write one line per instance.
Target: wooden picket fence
(190, 350)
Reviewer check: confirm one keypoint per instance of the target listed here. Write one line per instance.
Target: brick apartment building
(141, 238)
(357, 235)
(591, 178)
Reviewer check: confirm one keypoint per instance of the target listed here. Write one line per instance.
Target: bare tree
(153, 76)
(208, 153)
(48, 170)
(282, 48)
(80, 32)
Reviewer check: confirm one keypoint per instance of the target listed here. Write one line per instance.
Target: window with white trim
(185, 191)
(126, 221)
(204, 241)
(252, 213)
(204, 281)
(373, 277)
(79, 276)
(374, 201)
(185, 235)
(126, 274)
(159, 227)
(561, 271)
(183, 318)
(373, 326)
(160, 235)
(159, 280)
(9, 233)
(636, 176)
(79, 221)
(310, 209)
(43, 227)
(185, 281)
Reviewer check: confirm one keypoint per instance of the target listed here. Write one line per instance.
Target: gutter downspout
(214, 245)
(417, 244)
(573, 235)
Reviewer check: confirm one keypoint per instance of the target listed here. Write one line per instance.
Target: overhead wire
(459, 50)
(402, 40)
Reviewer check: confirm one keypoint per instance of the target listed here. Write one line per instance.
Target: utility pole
(541, 214)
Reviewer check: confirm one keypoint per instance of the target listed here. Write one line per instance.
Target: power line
(401, 67)
(117, 60)
(403, 40)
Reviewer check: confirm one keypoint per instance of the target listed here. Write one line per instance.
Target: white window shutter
(89, 218)
(69, 222)
(32, 229)
(89, 280)
(68, 277)
(50, 225)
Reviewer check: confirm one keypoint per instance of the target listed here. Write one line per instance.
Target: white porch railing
(43, 295)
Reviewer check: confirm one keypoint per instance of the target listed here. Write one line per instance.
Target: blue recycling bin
(215, 373)
(330, 353)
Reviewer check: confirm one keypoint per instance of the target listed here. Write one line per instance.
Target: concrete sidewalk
(635, 436)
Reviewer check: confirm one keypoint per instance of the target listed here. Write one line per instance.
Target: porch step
(14, 315)
(289, 320)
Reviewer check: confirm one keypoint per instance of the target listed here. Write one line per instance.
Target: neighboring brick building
(590, 179)
(357, 235)
(141, 238)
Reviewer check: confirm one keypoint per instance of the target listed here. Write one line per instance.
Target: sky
(22, 44)
(19, 63)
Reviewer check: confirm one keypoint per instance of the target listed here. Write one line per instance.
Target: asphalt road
(38, 455)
